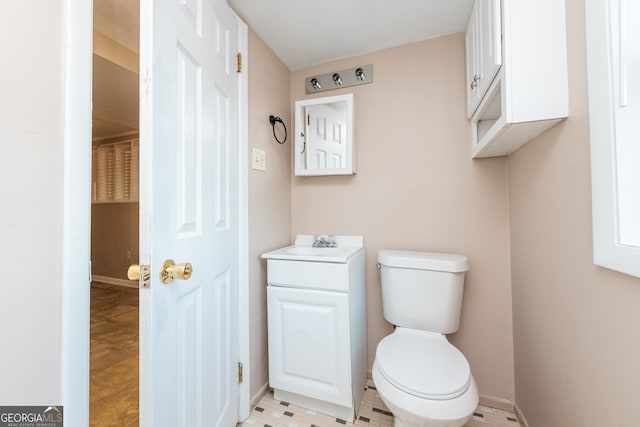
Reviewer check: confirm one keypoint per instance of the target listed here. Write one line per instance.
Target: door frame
(76, 238)
(244, 392)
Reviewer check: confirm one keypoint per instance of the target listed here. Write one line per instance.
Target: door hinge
(239, 58)
(239, 373)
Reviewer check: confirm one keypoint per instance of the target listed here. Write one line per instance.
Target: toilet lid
(423, 364)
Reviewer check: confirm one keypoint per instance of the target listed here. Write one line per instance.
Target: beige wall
(269, 192)
(577, 341)
(31, 214)
(114, 233)
(418, 189)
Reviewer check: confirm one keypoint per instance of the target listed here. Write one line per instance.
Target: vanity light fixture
(315, 84)
(358, 75)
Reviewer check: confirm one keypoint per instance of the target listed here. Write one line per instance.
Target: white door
(326, 137)
(189, 213)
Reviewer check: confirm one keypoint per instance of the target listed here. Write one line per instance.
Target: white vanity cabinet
(317, 332)
(529, 92)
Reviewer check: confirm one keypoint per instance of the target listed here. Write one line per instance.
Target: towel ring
(273, 120)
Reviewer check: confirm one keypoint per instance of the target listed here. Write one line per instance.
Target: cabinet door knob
(474, 83)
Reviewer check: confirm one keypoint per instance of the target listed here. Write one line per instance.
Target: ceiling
(119, 20)
(304, 33)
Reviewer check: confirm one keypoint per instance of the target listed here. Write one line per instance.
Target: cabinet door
(472, 50)
(309, 350)
(483, 47)
(490, 35)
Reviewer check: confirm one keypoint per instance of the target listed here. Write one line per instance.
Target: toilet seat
(423, 364)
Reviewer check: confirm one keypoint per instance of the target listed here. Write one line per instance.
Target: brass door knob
(133, 273)
(171, 270)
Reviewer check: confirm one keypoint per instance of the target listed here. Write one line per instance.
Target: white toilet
(423, 379)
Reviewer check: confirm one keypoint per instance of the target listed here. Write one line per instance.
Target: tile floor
(373, 413)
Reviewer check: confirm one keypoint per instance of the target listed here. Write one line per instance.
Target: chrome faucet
(324, 242)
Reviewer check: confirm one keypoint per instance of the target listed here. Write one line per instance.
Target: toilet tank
(422, 290)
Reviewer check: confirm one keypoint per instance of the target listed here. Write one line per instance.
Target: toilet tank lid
(452, 263)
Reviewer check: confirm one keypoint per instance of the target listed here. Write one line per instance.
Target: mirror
(325, 142)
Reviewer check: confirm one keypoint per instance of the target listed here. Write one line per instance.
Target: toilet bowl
(424, 380)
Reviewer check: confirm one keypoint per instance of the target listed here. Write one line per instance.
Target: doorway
(114, 325)
(75, 295)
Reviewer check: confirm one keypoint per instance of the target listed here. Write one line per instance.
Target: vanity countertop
(302, 250)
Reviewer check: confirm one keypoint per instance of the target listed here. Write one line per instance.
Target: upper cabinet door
(483, 44)
(472, 49)
(490, 43)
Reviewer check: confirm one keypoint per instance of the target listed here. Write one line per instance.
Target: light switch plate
(258, 159)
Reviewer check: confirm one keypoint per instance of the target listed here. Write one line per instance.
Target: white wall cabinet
(529, 93)
(483, 50)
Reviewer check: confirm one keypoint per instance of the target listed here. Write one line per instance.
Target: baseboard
(505, 405)
(497, 403)
(259, 395)
(520, 416)
(114, 281)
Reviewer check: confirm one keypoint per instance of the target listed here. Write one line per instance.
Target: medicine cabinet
(325, 136)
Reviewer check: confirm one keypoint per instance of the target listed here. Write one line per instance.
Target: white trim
(145, 130)
(608, 250)
(76, 248)
(244, 390)
(114, 281)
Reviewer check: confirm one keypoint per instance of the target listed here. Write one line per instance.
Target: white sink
(306, 250)
(347, 246)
